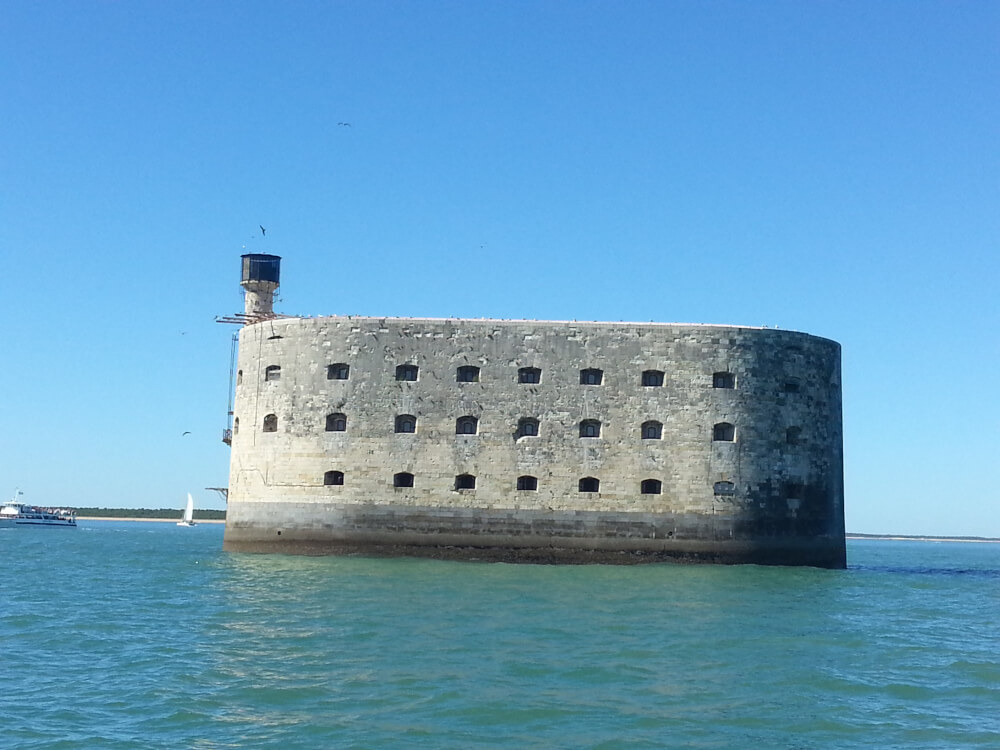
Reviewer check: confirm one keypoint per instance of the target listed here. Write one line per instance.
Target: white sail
(188, 519)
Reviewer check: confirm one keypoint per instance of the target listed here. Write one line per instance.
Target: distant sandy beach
(849, 536)
(152, 520)
(925, 539)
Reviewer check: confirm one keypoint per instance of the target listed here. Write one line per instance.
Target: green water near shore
(148, 635)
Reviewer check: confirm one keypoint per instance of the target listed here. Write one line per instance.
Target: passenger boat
(16, 513)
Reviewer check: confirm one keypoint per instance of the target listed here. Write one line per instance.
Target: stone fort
(532, 441)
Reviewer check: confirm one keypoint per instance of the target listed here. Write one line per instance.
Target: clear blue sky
(825, 167)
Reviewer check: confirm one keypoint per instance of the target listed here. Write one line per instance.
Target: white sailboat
(188, 519)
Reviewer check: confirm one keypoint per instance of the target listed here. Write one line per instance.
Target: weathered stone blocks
(759, 409)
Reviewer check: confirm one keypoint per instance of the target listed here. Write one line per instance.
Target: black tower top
(261, 267)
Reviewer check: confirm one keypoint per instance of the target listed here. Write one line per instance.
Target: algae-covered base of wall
(520, 536)
(787, 553)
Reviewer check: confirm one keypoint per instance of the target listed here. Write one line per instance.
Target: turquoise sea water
(146, 635)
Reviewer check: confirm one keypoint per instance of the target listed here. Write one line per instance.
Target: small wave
(987, 573)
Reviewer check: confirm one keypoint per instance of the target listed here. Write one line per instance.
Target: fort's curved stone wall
(768, 490)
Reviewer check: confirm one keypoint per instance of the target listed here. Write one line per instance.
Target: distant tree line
(921, 537)
(204, 515)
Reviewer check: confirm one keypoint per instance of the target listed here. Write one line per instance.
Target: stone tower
(260, 279)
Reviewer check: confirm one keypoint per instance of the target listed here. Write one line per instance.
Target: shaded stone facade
(537, 441)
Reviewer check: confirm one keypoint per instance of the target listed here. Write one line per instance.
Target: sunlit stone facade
(537, 441)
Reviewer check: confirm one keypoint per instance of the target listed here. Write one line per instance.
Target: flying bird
(345, 124)
(185, 433)
(263, 231)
